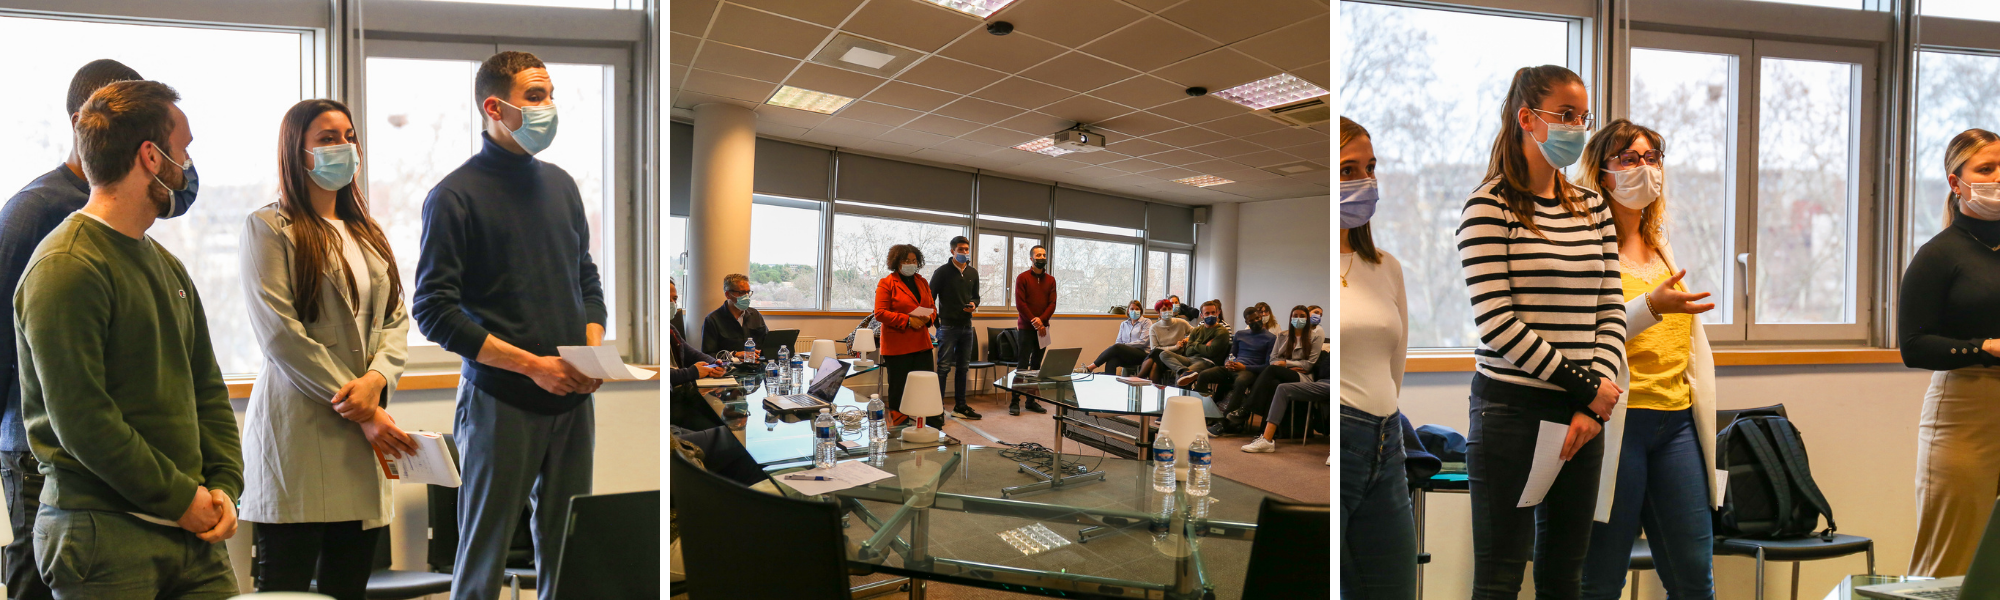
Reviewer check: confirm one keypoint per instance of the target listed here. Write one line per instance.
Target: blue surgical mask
(1357, 202)
(743, 302)
(962, 258)
(1208, 321)
(1315, 320)
(1299, 323)
(538, 127)
(1564, 144)
(184, 197)
(1134, 314)
(334, 166)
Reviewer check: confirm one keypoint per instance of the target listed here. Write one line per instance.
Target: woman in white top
(1378, 557)
(1135, 336)
(326, 306)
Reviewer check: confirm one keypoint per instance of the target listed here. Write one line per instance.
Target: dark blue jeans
(955, 347)
(1662, 486)
(1499, 455)
(1378, 535)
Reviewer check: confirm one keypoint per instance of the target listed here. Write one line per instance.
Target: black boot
(965, 412)
(1036, 407)
(1014, 408)
(935, 422)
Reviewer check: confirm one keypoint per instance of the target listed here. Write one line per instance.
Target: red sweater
(893, 303)
(1034, 297)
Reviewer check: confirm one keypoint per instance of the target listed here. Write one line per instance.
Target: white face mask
(1983, 202)
(1637, 187)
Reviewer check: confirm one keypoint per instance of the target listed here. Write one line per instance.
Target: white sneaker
(1260, 444)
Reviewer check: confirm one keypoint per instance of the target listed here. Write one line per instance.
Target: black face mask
(1041, 263)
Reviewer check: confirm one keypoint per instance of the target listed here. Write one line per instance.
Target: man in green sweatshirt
(1206, 346)
(124, 404)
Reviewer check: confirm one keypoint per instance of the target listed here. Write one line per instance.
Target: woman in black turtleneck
(1949, 317)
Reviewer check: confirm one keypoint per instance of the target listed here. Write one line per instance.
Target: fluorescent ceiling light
(1272, 91)
(977, 8)
(1044, 146)
(803, 99)
(867, 58)
(1203, 180)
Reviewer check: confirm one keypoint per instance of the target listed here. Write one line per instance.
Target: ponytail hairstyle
(1614, 138)
(1508, 164)
(1956, 154)
(317, 245)
(1360, 239)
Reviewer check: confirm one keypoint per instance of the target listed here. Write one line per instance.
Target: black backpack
(1771, 494)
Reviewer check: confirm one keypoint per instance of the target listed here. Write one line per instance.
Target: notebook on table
(1058, 363)
(825, 385)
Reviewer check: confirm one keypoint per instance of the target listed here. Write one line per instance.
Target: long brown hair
(1614, 138)
(315, 242)
(1508, 164)
(1360, 239)
(1956, 154)
(1298, 334)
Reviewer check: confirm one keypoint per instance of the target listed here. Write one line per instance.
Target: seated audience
(1250, 353)
(1292, 359)
(1168, 332)
(1135, 336)
(1207, 345)
(734, 322)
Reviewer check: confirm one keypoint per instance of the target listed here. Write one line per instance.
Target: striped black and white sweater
(1549, 307)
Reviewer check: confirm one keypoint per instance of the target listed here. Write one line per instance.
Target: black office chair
(611, 548)
(443, 543)
(1290, 534)
(802, 538)
(1000, 346)
(1793, 551)
(384, 583)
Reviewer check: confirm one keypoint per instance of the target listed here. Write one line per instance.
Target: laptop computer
(825, 385)
(1059, 363)
(1981, 582)
(775, 339)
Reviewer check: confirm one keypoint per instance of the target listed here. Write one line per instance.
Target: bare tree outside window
(1805, 231)
(1685, 97)
(1428, 86)
(861, 254)
(1955, 92)
(784, 257)
(1093, 276)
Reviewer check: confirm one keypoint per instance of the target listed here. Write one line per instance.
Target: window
(1104, 229)
(1792, 221)
(234, 119)
(1984, 10)
(422, 123)
(1166, 275)
(561, 3)
(677, 252)
(1093, 276)
(1451, 68)
(1854, 4)
(784, 253)
(861, 254)
(1000, 257)
(1686, 97)
(1952, 96)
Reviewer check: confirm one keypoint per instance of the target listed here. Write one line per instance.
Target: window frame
(1138, 260)
(822, 250)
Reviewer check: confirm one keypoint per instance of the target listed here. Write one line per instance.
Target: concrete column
(1215, 260)
(724, 162)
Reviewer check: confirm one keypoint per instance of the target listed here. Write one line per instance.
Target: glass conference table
(774, 439)
(1095, 395)
(941, 516)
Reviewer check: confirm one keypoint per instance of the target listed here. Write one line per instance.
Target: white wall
(1860, 428)
(1283, 248)
(627, 460)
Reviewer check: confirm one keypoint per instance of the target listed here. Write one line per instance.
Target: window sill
(240, 387)
(977, 315)
(1454, 362)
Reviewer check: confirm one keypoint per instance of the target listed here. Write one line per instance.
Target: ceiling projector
(1077, 140)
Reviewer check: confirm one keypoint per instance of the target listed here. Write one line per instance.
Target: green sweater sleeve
(221, 443)
(64, 308)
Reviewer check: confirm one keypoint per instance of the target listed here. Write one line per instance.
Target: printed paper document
(1548, 462)
(601, 362)
(431, 464)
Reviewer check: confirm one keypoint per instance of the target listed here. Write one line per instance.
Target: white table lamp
(923, 398)
(821, 349)
(864, 343)
(1182, 420)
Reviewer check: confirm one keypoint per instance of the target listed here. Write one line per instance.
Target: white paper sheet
(1548, 462)
(923, 311)
(716, 382)
(1721, 482)
(601, 362)
(431, 464)
(845, 475)
(1042, 338)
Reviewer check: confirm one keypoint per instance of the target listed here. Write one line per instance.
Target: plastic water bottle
(749, 346)
(770, 372)
(826, 444)
(785, 358)
(878, 425)
(1198, 463)
(1163, 463)
(799, 372)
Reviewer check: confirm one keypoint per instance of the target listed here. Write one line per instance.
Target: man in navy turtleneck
(505, 277)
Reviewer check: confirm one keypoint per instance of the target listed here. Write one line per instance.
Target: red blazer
(893, 303)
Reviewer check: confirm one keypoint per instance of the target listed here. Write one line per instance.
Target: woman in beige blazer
(326, 303)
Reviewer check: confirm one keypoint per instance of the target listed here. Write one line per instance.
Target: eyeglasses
(1629, 158)
(1570, 117)
(735, 293)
